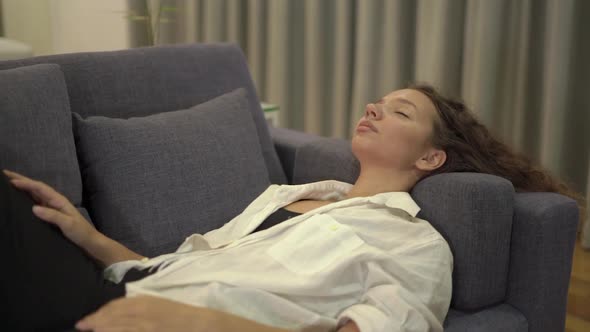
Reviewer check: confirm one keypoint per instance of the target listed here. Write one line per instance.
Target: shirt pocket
(314, 244)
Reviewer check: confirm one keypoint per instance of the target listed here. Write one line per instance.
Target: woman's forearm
(224, 322)
(159, 314)
(108, 251)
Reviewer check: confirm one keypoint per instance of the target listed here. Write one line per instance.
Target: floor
(578, 304)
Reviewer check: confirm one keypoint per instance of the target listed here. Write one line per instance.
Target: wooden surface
(578, 303)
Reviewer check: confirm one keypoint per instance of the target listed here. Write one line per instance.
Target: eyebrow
(401, 100)
(407, 102)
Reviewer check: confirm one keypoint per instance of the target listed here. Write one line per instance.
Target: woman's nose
(372, 111)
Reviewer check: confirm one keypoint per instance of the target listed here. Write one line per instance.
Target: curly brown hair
(471, 147)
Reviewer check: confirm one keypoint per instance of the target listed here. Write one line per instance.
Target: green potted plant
(151, 14)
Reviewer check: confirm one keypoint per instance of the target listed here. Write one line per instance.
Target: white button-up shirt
(366, 259)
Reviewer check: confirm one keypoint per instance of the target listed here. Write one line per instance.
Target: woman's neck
(375, 181)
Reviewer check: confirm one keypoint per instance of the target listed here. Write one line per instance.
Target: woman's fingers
(12, 175)
(41, 192)
(44, 194)
(15, 175)
(33, 195)
(54, 208)
(55, 217)
(73, 227)
(29, 184)
(34, 188)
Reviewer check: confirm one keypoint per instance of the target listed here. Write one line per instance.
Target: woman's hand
(147, 313)
(56, 209)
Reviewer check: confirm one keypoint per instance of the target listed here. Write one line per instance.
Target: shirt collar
(397, 200)
(337, 190)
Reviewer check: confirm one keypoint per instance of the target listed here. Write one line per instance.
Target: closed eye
(402, 114)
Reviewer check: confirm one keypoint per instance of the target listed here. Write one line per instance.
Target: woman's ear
(431, 160)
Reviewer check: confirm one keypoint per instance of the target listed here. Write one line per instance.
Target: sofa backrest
(40, 94)
(473, 212)
(36, 128)
(145, 81)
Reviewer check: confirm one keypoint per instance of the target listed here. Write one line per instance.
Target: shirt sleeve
(409, 292)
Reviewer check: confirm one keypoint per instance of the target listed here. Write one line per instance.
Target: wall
(89, 25)
(28, 21)
(64, 26)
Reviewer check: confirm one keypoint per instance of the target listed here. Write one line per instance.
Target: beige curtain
(522, 66)
(1, 23)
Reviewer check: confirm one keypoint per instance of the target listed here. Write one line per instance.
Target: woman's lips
(366, 125)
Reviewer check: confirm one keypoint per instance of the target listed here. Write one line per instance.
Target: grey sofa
(96, 127)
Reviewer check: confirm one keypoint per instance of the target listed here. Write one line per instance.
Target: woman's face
(395, 132)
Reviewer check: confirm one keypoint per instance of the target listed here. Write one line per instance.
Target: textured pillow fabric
(151, 181)
(35, 128)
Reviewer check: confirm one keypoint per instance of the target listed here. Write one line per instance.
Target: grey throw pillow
(151, 181)
(35, 128)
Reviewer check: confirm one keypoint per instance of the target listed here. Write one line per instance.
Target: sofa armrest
(287, 142)
(543, 238)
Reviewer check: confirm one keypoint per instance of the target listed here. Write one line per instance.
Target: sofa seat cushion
(151, 181)
(503, 317)
(36, 130)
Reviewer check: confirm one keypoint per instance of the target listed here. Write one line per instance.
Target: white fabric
(368, 259)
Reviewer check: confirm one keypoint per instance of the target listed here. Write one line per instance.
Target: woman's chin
(362, 145)
(364, 137)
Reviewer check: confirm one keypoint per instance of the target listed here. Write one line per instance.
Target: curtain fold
(558, 46)
(520, 65)
(1, 23)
